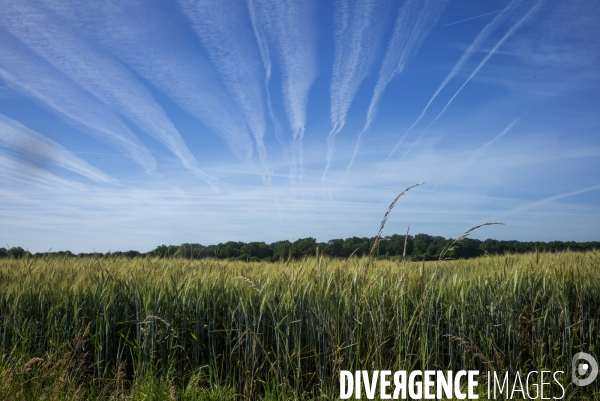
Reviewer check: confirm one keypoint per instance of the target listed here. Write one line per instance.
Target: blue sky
(131, 124)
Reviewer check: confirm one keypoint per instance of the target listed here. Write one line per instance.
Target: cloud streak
(414, 22)
(486, 14)
(106, 79)
(76, 106)
(473, 47)
(479, 150)
(507, 35)
(287, 27)
(532, 205)
(22, 172)
(356, 35)
(37, 146)
(165, 57)
(226, 33)
(268, 65)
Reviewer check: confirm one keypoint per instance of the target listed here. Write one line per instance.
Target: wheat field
(115, 328)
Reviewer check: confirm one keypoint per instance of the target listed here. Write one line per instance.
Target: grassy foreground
(85, 328)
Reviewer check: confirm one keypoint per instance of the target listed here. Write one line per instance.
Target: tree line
(418, 247)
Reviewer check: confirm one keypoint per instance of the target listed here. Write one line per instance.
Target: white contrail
(172, 62)
(166, 58)
(549, 199)
(21, 171)
(107, 80)
(477, 151)
(415, 20)
(226, 33)
(484, 15)
(18, 65)
(288, 27)
(356, 33)
(507, 35)
(479, 40)
(266, 59)
(39, 147)
(98, 73)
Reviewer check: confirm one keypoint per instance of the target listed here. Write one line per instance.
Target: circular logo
(583, 364)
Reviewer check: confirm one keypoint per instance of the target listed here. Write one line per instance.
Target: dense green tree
(435, 248)
(258, 250)
(189, 251)
(421, 243)
(17, 252)
(230, 250)
(419, 247)
(358, 246)
(335, 248)
(489, 246)
(467, 248)
(394, 245)
(281, 250)
(164, 251)
(303, 247)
